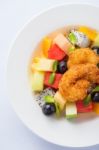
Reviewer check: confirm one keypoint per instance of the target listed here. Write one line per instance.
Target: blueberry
(62, 66)
(49, 108)
(95, 96)
(96, 49)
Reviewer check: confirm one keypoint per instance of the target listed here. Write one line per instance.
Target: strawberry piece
(56, 80)
(56, 53)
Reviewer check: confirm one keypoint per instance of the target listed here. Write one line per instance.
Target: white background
(13, 134)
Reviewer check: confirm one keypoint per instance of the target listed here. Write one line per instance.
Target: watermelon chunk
(56, 53)
(81, 108)
(56, 80)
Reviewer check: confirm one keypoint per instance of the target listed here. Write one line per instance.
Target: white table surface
(13, 134)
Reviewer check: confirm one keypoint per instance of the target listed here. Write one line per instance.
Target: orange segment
(96, 108)
(91, 33)
(46, 44)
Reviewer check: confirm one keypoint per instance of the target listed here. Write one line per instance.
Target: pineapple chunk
(43, 64)
(62, 42)
(37, 81)
(59, 100)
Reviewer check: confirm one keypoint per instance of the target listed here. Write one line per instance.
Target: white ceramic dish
(85, 130)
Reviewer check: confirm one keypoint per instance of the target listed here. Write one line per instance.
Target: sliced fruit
(72, 38)
(55, 65)
(96, 108)
(37, 81)
(43, 64)
(59, 100)
(81, 108)
(46, 44)
(79, 39)
(71, 110)
(40, 98)
(49, 99)
(89, 32)
(56, 53)
(52, 78)
(62, 42)
(71, 49)
(87, 100)
(96, 89)
(56, 80)
(96, 41)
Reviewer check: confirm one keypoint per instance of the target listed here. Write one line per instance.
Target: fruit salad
(64, 72)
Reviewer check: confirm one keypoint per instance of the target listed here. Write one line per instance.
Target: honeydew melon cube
(71, 110)
(37, 81)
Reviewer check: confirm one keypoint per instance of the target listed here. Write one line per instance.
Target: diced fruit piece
(49, 108)
(79, 39)
(89, 32)
(56, 80)
(52, 78)
(59, 100)
(46, 44)
(56, 53)
(95, 97)
(62, 42)
(43, 64)
(57, 110)
(55, 65)
(72, 38)
(71, 110)
(96, 49)
(96, 108)
(81, 108)
(49, 99)
(62, 66)
(96, 89)
(96, 41)
(36, 59)
(40, 98)
(87, 100)
(37, 81)
(71, 49)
